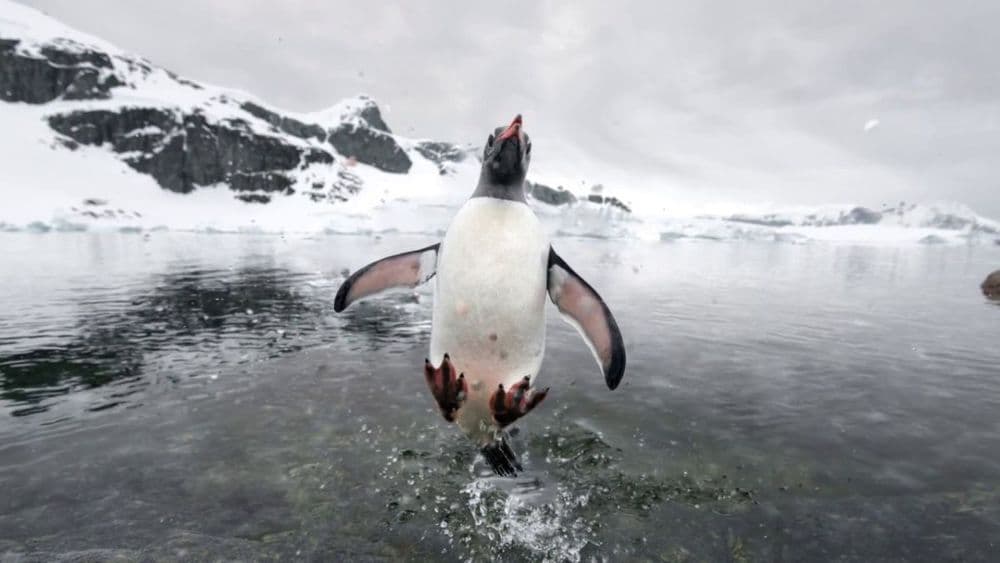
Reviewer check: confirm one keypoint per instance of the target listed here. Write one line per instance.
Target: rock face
(991, 285)
(184, 151)
(862, 216)
(291, 126)
(551, 196)
(212, 136)
(609, 200)
(372, 116)
(370, 146)
(77, 74)
(442, 154)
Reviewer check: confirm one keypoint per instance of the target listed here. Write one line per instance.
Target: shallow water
(194, 396)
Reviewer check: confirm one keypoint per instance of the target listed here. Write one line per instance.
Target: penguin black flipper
(583, 308)
(408, 269)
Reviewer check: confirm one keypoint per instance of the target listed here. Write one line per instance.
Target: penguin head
(507, 155)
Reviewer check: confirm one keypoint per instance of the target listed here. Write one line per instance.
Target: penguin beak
(514, 129)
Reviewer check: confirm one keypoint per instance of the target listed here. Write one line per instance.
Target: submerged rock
(991, 285)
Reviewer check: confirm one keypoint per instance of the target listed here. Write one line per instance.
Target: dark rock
(254, 198)
(949, 221)
(595, 198)
(184, 151)
(615, 202)
(347, 182)
(313, 156)
(178, 79)
(991, 285)
(371, 147)
(261, 182)
(68, 143)
(373, 116)
(548, 195)
(441, 154)
(77, 57)
(863, 216)
(291, 126)
(73, 72)
(764, 221)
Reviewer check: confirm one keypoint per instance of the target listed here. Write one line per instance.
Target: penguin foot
(449, 391)
(501, 458)
(508, 406)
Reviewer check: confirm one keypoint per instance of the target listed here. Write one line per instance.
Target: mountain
(75, 93)
(98, 138)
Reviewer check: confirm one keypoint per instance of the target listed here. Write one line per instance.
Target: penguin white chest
(489, 299)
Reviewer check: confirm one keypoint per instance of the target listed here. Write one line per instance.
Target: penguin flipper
(408, 269)
(583, 308)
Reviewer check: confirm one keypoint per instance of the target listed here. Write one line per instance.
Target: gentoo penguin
(492, 271)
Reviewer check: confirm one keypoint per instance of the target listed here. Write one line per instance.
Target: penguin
(492, 272)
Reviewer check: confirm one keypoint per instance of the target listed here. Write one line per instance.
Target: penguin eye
(489, 142)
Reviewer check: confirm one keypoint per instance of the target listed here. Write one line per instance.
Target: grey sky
(744, 101)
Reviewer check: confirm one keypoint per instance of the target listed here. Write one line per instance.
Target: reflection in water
(183, 326)
(783, 402)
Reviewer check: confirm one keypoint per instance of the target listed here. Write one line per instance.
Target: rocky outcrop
(71, 73)
(856, 216)
(769, 220)
(182, 151)
(291, 126)
(609, 200)
(862, 216)
(991, 285)
(442, 154)
(370, 146)
(372, 116)
(551, 196)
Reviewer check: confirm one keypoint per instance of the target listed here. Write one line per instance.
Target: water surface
(176, 396)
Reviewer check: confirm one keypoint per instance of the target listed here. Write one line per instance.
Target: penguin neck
(510, 192)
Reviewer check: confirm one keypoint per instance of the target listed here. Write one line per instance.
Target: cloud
(750, 101)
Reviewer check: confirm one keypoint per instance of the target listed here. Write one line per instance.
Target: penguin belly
(489, 303)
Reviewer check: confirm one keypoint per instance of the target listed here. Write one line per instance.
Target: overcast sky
(747, 101)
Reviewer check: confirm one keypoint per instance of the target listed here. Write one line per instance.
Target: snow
(44, 185)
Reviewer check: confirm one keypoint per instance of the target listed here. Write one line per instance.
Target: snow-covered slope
(97, 138)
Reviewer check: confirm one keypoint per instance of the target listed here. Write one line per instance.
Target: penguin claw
(510, 405)
(449, 391)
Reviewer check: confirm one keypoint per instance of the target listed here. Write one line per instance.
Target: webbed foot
(510, 405)
(449, 391)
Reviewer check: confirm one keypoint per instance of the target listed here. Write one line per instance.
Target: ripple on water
(556, 511)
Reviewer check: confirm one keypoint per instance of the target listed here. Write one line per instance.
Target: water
(176, 397)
